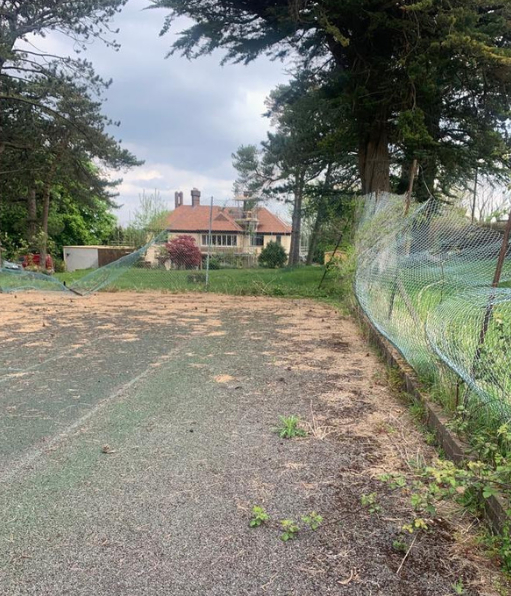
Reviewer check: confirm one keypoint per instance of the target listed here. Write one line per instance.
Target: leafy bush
(273, 256)
(184, 252)
(318, 256)
(214, 263)
(58, 265)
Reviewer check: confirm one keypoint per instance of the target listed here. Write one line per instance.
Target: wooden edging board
(495, 507)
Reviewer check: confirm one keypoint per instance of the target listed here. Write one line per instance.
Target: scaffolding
(246, 216)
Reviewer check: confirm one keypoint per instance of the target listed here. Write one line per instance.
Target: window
(220, 240)
(257, 240)
(279, 239)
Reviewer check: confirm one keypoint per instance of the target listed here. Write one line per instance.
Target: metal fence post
(209, 242)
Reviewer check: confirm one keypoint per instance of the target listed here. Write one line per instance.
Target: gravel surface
(137, 433)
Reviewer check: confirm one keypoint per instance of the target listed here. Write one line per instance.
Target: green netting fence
(424, 279)
(150, 268)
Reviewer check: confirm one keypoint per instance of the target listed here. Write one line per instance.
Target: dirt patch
(187, 413)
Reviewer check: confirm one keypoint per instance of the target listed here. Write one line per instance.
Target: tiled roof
(196, 219)
(186, 218)
(270, 223)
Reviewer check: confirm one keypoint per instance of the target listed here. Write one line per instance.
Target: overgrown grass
(290, 282)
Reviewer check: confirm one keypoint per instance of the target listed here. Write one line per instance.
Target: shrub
(318, 256)
(183, 252)
(214, 263)
(58, 265)
(272, 256)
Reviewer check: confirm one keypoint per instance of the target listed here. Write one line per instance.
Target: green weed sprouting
(259, 516)
(291, 529)
(289, 427)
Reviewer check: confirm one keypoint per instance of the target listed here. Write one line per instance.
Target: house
(234, 230)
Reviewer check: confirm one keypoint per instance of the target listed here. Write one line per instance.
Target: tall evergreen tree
(51, 125)
(424, 79)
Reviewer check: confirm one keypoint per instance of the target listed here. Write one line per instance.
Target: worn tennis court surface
(137, 433)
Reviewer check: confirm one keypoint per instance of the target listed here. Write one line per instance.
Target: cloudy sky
(184, 118)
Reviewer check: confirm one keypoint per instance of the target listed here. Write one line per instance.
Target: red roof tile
(187, 218)
(269, 223)
(196, 219)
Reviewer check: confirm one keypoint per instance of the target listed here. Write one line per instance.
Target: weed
(395, 379)
(417, 411)
(399, 546)
(313, 520)
(500, 545)
(394, 480)
(371, 502)
(431, 439)
(458, 587)
(289, 428)
(259, 516)
(417, 524)
(290, 528)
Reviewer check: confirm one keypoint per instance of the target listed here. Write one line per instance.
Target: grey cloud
(186, 116)
(189, 113)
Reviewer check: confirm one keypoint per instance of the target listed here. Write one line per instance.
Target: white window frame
(223, 240)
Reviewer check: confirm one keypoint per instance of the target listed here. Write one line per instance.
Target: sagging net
(425, 281)
(183, 269)
(94, 281)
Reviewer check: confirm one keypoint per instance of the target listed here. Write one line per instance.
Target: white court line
(35, 453)
(6, 376)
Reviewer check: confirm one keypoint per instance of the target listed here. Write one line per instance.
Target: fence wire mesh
(425, 281)
(182, 267)
(423, 277)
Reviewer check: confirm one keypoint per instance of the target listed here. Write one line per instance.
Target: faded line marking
(35, 453)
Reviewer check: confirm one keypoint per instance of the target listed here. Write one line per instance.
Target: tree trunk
(319, 217)
(314, 236)
(294, 252)
(374, 160)
(426, 179)
(46, 212)
(31, 218)
(46, 199)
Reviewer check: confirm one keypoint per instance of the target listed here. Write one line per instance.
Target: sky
(184, 118)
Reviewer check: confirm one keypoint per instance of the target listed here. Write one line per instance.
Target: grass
(290, 282)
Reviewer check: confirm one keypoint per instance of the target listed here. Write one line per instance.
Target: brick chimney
(195, 197)
(178, 196)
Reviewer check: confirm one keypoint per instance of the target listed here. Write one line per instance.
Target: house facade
(234, 230)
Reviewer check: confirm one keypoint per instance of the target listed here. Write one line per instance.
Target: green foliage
(184, 252)
(214, 263)
(399, 546)
(289, 427)
(151, 213)
(290, 528)
(313, 520)
(416, 525)
(429, 79)
(467, 484)
(500, 545)
(259, 516)
(251, 177)
(458, 587)
(290, 283)
(273, 256)
(53, 124)
(318, 256)
(394, 481)
(371, 502)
